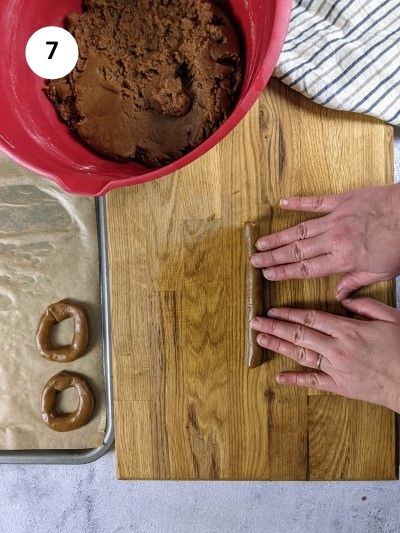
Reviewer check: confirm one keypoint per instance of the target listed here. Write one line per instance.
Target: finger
(292, 253)
(305, 230)
(303, 356)
(295, 333)
(318, 320)
(372, 309)
(354, 280)
(314, 204)
(318, 267)
(311, 380)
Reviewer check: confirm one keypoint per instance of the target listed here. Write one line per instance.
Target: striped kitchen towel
(345, 54)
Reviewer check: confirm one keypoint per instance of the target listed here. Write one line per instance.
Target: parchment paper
(48, 251)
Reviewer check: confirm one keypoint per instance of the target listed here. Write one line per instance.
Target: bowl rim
(278, 35)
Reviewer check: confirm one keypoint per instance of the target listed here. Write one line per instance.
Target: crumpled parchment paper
(48, 252)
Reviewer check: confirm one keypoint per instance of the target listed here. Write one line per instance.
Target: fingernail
(347, 301)
(255, 260)
(261, 339)
(254, 323)
(260, 244)
(273, 313)
(279, 379)
(284, 202)
(269, 273)
(340, 295)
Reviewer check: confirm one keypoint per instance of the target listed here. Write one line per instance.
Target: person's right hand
(359, 237)
(354, 358)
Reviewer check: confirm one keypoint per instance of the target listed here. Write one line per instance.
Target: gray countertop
(86, 499)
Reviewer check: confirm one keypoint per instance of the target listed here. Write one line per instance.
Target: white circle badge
(52, 52)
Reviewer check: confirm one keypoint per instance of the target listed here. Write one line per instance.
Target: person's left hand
(358, 237)
(354, 358)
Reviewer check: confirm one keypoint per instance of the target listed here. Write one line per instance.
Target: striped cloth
(345, 54)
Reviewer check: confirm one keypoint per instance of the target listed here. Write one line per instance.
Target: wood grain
(186, 405)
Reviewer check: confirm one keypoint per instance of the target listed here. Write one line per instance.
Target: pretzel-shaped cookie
(78, 418)
(56, 313)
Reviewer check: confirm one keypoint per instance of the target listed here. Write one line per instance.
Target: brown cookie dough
(154, 78)
(86, 402)
(56, 313)
(255, 355)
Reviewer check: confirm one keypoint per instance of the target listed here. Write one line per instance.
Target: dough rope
(255, 355)
(71, 421)
(56, 313)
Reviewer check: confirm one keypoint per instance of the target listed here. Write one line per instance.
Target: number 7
(55, 44)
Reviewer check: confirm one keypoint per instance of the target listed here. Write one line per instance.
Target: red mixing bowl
(32, 134)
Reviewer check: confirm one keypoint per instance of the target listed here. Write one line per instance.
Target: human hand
(354, 358)
(359, 237)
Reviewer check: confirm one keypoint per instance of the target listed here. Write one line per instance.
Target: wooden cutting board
(186, 406)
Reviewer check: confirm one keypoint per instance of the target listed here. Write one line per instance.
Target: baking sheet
(48, 251)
